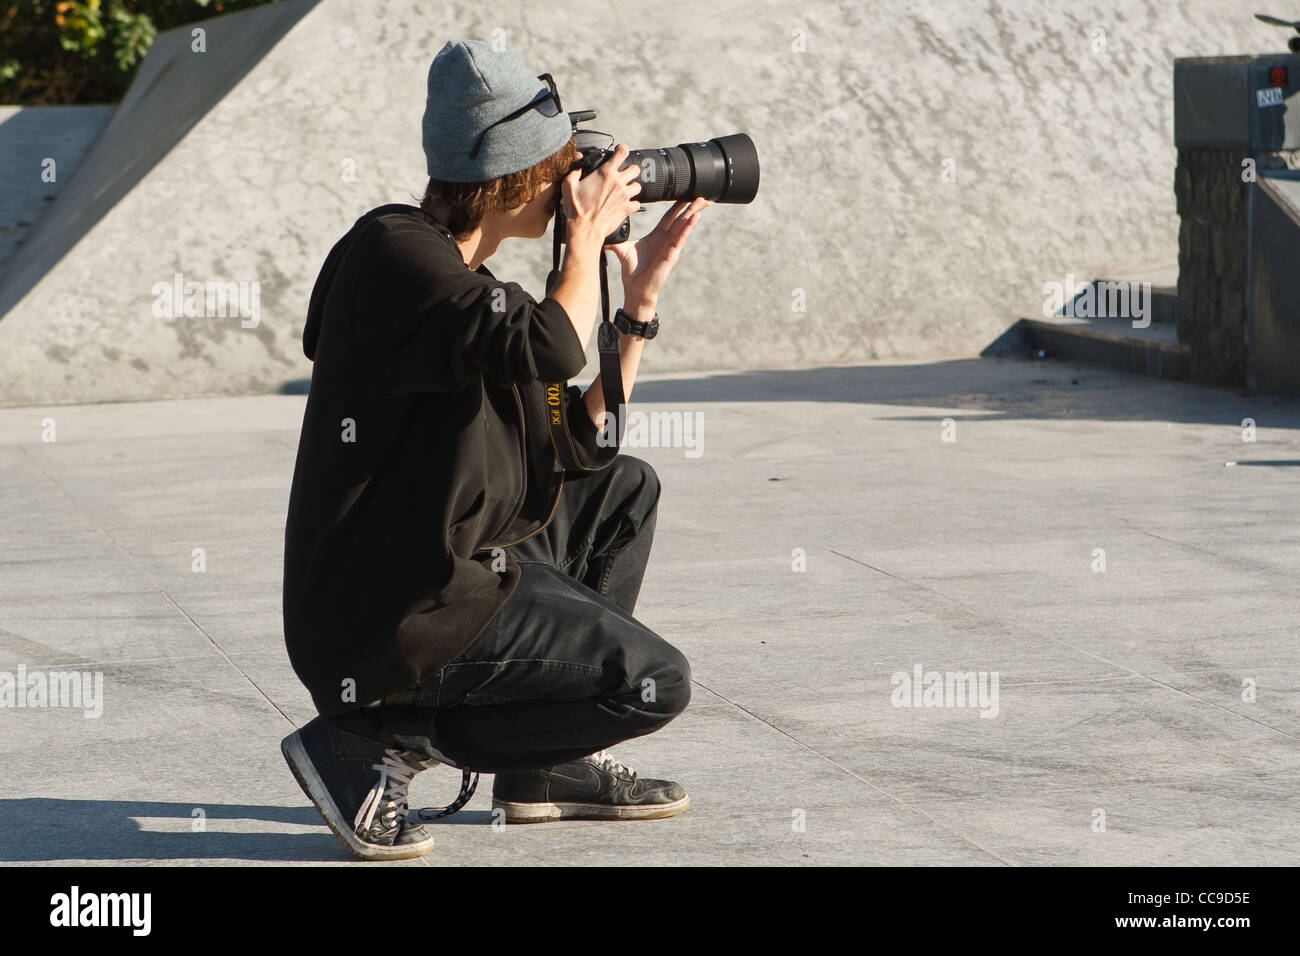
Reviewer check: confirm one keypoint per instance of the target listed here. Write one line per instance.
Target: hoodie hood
(325, 281)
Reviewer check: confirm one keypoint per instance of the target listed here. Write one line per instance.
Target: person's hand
(648, 261)
(599, 203)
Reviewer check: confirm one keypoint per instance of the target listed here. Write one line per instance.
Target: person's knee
(639, 474)
(669, 691)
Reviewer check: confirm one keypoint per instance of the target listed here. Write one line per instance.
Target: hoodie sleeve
(428, 324)
(582, 429)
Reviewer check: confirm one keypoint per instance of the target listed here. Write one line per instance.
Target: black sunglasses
(546, 102)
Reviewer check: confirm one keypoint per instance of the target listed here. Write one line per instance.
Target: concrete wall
(1273, 285)
(1061, 153)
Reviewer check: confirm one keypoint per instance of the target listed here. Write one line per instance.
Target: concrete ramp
(173, 90)
(927, 167)
(40, 148)
(80, 317)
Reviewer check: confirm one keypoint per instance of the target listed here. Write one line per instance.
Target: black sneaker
(594, 788)
(359, 786)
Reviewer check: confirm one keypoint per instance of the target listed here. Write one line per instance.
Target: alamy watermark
(75, 908)
(656, 430)
(922, 688)
(1099, 300)
(81, 690)
(208, 300)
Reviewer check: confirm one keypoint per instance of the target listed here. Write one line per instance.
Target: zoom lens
(723, 169)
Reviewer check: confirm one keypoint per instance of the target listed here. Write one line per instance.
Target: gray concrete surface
(40, 148)
(1120, 691)
(1054, 124)
(1272, 294)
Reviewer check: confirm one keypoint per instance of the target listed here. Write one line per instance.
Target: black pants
(563, 669)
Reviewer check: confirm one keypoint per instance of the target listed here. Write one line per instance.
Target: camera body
(591, 158)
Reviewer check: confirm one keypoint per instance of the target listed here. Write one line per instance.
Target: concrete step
(1086, 332)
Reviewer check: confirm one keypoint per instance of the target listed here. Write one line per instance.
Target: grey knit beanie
(471, 86)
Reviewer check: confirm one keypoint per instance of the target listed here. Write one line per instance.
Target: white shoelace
(394, 779)
(604, 759)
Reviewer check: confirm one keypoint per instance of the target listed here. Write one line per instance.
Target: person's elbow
(558, 353)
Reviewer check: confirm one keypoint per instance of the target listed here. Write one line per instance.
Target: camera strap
(611, 372)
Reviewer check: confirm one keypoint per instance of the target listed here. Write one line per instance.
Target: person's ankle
(360, 723)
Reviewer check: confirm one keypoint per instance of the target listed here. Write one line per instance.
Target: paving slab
(826, 543)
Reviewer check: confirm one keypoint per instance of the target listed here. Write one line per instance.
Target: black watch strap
(630, 326)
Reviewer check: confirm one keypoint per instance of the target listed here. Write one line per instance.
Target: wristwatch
(630, 326)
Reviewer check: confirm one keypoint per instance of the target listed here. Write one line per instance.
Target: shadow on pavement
(990, 389)
(47, 829)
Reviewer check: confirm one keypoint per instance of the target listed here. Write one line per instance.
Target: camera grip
(591, 158)
(620, 234)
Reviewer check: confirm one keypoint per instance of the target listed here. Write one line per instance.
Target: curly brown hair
(463, 205)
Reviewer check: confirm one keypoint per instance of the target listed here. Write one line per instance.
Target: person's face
(531, 220)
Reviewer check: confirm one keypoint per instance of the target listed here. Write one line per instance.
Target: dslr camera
(723, 169)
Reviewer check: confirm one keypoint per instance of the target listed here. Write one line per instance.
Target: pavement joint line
(128, 661)
(1012, 626)
(141, 569)
(859, 777)
(184, 740)
(1235, 562)
(1118, 788)
(1117, 677)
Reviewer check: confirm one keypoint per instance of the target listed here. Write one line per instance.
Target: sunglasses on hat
(547, 102)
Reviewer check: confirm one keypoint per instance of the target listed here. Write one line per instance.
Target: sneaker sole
(295, 755)
(547, 812)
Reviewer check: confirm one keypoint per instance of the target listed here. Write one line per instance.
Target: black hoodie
(424, 446)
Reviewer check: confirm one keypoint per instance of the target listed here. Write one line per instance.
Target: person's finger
(681, 229)
(566, 196)
(623, 251)
(610, 167)
(686, 220)
(668, 218)
(569, 184)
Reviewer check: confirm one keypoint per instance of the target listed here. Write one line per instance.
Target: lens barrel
(723, 169)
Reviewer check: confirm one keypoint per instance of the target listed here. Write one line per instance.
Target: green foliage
(68, 52)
